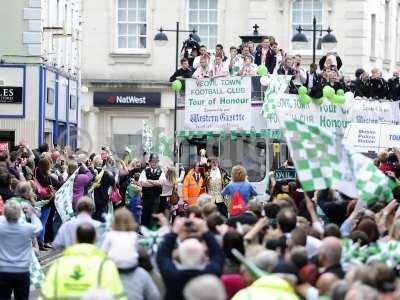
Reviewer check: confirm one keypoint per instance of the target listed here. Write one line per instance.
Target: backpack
(238, 205)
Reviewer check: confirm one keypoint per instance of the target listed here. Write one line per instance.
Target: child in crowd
(133, 198)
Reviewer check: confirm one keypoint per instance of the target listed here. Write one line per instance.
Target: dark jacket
(377, 88)
(175, 279)
(47, 180)
(335, 270)
(182, 73)
(270, 59)
(6, 193)
(101, 197)
(316, 90)
(359, 88)
(394, 88)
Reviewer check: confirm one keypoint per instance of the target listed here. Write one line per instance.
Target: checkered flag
(315, 155)
(36, 273)
(372, 184)
(276, 88)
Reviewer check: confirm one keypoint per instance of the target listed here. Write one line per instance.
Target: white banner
(336, 118)
(63, 199)
(219, 104)
(372, 137)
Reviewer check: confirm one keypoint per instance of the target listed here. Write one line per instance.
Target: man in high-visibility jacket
(267, 287)
(82, 267)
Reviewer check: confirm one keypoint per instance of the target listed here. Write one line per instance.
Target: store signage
(136, 99)
(4, 146)
(372, 137)
(219, 104)
(10, 94)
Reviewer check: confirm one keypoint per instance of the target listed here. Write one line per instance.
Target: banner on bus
(335, 118)
(363, 137)
(219, 104)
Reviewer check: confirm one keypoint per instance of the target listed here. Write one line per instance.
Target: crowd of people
(245, 60)
(145, 231)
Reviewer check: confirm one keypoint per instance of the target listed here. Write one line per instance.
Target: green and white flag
(322, 162)
(147, 138)
(276, 88)
(37, 275)
(315, 155)
(372, 184)
(63, 199)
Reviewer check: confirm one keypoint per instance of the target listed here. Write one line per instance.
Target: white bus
(259, 151)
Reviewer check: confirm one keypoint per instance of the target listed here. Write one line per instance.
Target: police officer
(151, 190)
(377, 85)
(82, 267)
(394, 86)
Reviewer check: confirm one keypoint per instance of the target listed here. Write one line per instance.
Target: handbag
(174, 198)
(44, 193)
(115, 196)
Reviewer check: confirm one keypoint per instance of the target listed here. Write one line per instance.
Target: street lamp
(328, 41)
(161, 38)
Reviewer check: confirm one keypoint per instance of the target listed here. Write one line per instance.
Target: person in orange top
(193, 186)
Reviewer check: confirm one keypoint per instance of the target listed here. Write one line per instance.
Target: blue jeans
(57, 222)
(44, 216)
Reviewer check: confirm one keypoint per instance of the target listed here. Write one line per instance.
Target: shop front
(34, 101)
(118, 119)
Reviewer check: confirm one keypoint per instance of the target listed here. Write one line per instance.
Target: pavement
(46, 258)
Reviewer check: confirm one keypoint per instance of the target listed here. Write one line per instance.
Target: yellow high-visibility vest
(82, 267)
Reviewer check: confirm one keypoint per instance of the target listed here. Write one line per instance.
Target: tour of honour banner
(218, 104)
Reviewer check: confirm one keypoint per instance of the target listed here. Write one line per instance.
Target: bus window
(189, 150)
(251, 154)
(277, 159)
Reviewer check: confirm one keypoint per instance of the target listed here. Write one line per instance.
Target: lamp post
(328, 41)
(162, 38)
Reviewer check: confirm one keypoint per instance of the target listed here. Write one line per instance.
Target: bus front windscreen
(248, 152)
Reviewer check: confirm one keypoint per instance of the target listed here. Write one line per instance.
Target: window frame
(190, 26)
(116, 33)
(372, 44)
(293, 32)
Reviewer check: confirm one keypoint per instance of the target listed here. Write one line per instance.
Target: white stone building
(40, 58)
(120, 55)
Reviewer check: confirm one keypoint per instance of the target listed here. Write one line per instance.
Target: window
(50, 96)
(387, 30)
(373, 35)
(230, 153)
(303, 12)
(203, 16)
(72, 102)
(131, 24)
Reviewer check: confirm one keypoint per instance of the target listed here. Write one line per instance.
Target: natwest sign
(143, 99)
(10, 94)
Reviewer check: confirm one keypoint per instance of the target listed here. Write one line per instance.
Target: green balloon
(262, 70)
(176, 85)
(337, 100)
(328, 92)
(319, 101)
(304, 99)
(302, 90)
(340, 92)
